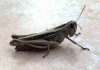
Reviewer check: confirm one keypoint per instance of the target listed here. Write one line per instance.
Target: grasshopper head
(72, 27)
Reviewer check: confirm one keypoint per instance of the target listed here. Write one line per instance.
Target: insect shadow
(34, 55)
(67, 53)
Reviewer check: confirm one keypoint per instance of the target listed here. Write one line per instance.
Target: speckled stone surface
(33, 16)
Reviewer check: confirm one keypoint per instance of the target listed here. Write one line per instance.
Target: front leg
(78, 44)
(77, 34)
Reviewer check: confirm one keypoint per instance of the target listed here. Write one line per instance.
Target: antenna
(81, 13)
(79, 27)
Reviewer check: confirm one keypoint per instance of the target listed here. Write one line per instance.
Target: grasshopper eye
(71, 26)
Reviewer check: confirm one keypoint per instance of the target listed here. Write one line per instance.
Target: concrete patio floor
(33, 16)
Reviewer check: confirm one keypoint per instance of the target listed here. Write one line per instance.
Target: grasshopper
(47, 39)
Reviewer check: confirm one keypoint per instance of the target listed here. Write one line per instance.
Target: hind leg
(48, 49)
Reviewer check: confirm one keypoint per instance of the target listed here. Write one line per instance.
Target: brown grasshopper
(47, 39)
